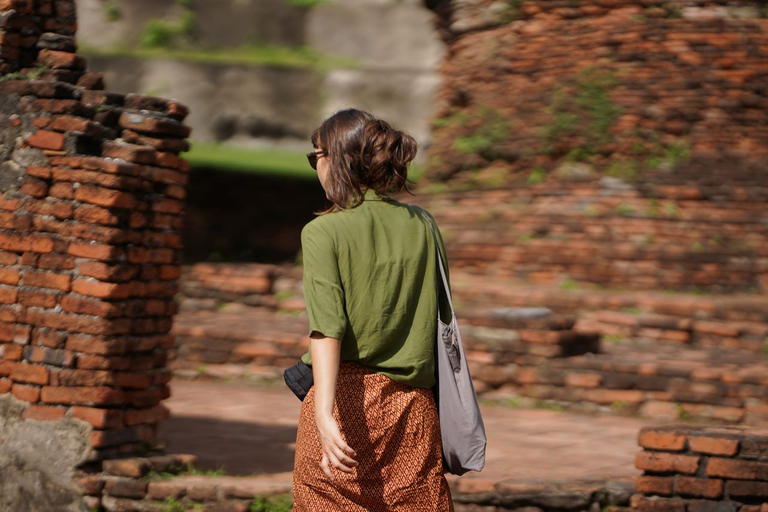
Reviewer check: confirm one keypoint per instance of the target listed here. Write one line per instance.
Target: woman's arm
(325, 370)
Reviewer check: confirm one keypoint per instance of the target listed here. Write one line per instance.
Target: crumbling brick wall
(91, 206)
(702, 468)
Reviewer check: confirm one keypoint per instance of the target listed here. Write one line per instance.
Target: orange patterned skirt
(395, 431)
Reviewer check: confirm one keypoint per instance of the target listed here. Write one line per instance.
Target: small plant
(271, 504)
(614, 339)
(525, 238)
(283, 294)
(670, 209)
(620, 407)
(537, 175)
(568, 284)
(172, 505)
(625, 210)
(626, 170)
(591, 211)
(630, 311)
(493, 130)
(681, 413)
(697, 246)
(112, 11)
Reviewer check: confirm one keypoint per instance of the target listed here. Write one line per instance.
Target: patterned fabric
(395, 431)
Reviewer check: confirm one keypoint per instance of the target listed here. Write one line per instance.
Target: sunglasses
(312, 158)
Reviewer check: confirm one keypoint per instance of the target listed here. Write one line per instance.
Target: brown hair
(364, 152)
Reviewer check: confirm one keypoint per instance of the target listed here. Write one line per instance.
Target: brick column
(702, 469)
(91, 208)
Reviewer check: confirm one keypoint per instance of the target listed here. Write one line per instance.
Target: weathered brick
(102, 438)
(133, 467)
(126, 488)
(106, 197)
(659, 462)
(46, 280)
(713, 445)
(747, 489)
(150, 415)
(43, 412)
(96, 345)
(640, 503)
(96, 251)
(737, 469)
(34, 187)
(81, 395)
(698, 487)
(24, 392)
(31, 374)
(45, 139)
(661, 440)
(98, 417)
(659, 485)
(57, 59)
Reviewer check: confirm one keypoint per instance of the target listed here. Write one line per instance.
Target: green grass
(280, 162)
(277, 162)
(262, 55)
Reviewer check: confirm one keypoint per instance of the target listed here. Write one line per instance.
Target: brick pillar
(702, 469)
(91, 208)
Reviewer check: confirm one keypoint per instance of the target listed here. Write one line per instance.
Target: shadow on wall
(244, 217)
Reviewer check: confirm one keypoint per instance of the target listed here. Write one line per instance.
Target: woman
(369, 435)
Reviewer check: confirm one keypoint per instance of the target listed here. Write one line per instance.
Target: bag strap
(440, 264)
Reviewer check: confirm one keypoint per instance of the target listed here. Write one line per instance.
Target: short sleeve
(323, 291)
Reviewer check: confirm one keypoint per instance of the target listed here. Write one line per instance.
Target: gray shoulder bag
(461, 425)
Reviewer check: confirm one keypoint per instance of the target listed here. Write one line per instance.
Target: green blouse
(369, 280)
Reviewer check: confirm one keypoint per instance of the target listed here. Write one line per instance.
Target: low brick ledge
(123, 486)
(702, 469)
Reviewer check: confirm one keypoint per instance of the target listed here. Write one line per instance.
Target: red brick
(106, 197)
(79, 377)
(58, 59)
(76, 323)
(99, 418)
(11, 351)
(43, 173)
(46, 280)
(37, 299)
(133, 380)
(737, 469)
(95, 215)
(96, 345)
(51, 339)
(91, 485)
(43, 412)
(151, 415)
(661, 440)
(126, 488)
(9, 276)
(746, 489)
(153, 125)
(94, 251)
(34, 187)
(45, 139)
(698, 487)
(658, 462)
(133, 468)
(659, 485)
(105, 272)
(101, 290)
(62, 190)
(27, 393)
(31, 374)
(640, 503)
(583, 380)
(58, 209)
(81, 395)
(713, 445)
(5, 385)
(85, 306)
(129, 152)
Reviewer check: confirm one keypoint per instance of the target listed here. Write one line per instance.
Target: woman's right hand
(336, 452)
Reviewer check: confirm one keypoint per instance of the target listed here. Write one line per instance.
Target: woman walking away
(369, 434)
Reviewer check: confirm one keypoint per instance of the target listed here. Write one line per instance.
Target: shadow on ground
(242, 448)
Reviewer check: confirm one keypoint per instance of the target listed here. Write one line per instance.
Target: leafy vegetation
(31, 75)
(112, 11)
(489, 129)
(583, 111)
(282, 503)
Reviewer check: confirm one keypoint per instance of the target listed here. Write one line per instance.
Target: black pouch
(299, 378)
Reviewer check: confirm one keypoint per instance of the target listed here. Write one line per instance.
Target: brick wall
(698, 469)
(518, 91)
(91, 205)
